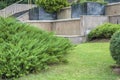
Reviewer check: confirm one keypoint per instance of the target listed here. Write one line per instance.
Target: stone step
(75, 39)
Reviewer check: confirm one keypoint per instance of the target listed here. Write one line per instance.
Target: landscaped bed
(88, 61)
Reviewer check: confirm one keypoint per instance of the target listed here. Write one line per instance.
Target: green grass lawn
(88, 61)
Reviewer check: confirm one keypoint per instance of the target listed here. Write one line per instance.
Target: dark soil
(100, 40)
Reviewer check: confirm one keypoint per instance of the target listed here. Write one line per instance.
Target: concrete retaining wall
(66, 27)
(114, 19)
(15, 8)
(60, 27)
(24, 17)
(71, 26)
(74, 29)
(64, 13)
(113, 9)
(74, 38)
(90, 22)
(44, 25)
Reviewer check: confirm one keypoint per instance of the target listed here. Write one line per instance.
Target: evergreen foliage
(115, 47)
(25, 49)
(52, 6)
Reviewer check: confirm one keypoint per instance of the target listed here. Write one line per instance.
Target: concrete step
(75, 39)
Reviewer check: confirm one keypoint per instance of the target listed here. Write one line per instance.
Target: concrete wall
(44, 25)
(72, 0)
(67, 27)
(64, 13)
(15, 8)
(76, 39)
(73, 29)
(90, 22)
(24, 17)
(60, 27)
(71, 26)
(113, 9)
(114, 19)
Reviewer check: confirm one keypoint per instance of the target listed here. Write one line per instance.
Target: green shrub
(103, 31)
(52, 6)
(2, 4)
(5, 3)
(115, 47)
(25, 49)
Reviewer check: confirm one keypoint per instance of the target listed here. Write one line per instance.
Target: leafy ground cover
(88, 61)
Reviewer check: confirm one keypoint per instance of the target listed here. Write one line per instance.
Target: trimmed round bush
(104, 31)
(115, 47)
(25, 49)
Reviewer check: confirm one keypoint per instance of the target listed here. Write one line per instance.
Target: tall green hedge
(25, 49)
